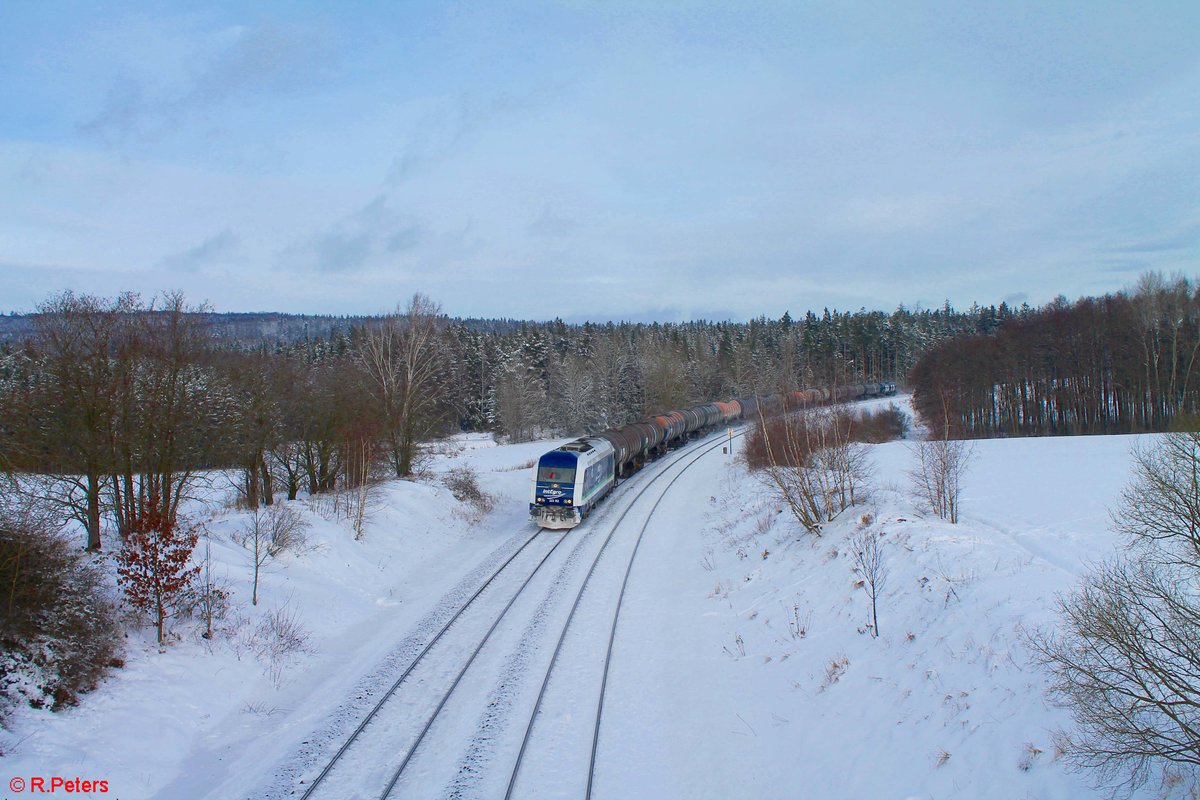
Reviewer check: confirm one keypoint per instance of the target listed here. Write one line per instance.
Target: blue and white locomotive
(570, 480)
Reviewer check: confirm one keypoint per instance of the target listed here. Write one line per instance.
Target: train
(571, 480)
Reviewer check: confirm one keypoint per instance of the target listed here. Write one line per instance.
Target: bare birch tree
(401, 357)
(937, 476)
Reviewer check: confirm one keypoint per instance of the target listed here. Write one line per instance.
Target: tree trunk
(268, 488)
(93, 512)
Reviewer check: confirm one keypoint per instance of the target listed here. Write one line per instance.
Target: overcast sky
(643, 159)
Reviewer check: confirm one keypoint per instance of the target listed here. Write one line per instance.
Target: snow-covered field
(742, 665)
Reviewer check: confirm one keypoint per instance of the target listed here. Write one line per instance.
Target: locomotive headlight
(568, 502)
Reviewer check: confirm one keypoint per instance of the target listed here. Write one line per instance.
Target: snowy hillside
(742, 666)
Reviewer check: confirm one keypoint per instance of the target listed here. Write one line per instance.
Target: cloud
(551, 223)
(246, 61)
(1016, 298)
(349, 244)
(453, 123)
(213, 249)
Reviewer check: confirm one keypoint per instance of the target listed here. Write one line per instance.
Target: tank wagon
(573, 478)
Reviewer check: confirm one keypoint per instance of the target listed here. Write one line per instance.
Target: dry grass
(530, 464)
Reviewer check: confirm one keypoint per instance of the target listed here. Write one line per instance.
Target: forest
(1120, 363)
(108, 402)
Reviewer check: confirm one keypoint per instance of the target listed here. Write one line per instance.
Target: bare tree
(812, 463)
(254, 424)
(574, 396)
(401, 357)
(268, 533)
(937, 477)
(168, 412)
(520, 403)
(866, 555)
(81, 342)
(1126, 657)
(1161, 510)
(1126, 662)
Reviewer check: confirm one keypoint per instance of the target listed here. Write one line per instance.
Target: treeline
(109, 403)
(1120, 363)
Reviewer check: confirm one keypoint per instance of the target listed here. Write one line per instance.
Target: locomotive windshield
(556, 474)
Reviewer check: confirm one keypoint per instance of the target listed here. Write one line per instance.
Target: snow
(742, 665)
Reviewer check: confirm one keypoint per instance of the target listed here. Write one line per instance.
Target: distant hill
(271, 326)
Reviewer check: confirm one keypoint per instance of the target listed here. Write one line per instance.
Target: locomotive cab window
(556, 474)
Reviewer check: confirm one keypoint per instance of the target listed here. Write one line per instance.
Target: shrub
(277, 640)
(154, 564)
(810, 463)
(463, 483)
(58, 632)
(885, 425)
(790, 439)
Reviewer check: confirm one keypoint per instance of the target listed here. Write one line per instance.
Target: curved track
(397, 726)
(615, 613)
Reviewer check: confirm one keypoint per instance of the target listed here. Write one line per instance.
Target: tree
(1161, 510)
(521, 404)
(937, 478)
(809, 460)
(171, 412)
(1126, 657)
(254, 425)
(867, 558)
(401, 356)
(154, 564)
(81, 364)
(267, 534)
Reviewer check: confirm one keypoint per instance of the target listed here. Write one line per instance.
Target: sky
(596, 160)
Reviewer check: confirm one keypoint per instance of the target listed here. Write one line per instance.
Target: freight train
(572, 479)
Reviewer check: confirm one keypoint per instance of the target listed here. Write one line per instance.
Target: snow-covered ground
(742, 665)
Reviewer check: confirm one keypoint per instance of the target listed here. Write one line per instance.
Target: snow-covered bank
(747, 668)
(179, 722)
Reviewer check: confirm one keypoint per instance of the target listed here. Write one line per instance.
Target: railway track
(397, 727)
(552, 751)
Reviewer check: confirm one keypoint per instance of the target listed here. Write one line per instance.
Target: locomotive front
(553, 502)
(570, 481)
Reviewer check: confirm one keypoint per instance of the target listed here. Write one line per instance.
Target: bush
(463, 483)
(790, 439)
(154, 564)
(278, 640)
(58, 632)
(885, 425)
(810, 463)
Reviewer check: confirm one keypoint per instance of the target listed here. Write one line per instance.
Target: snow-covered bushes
(58, 629)
(463, 483)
